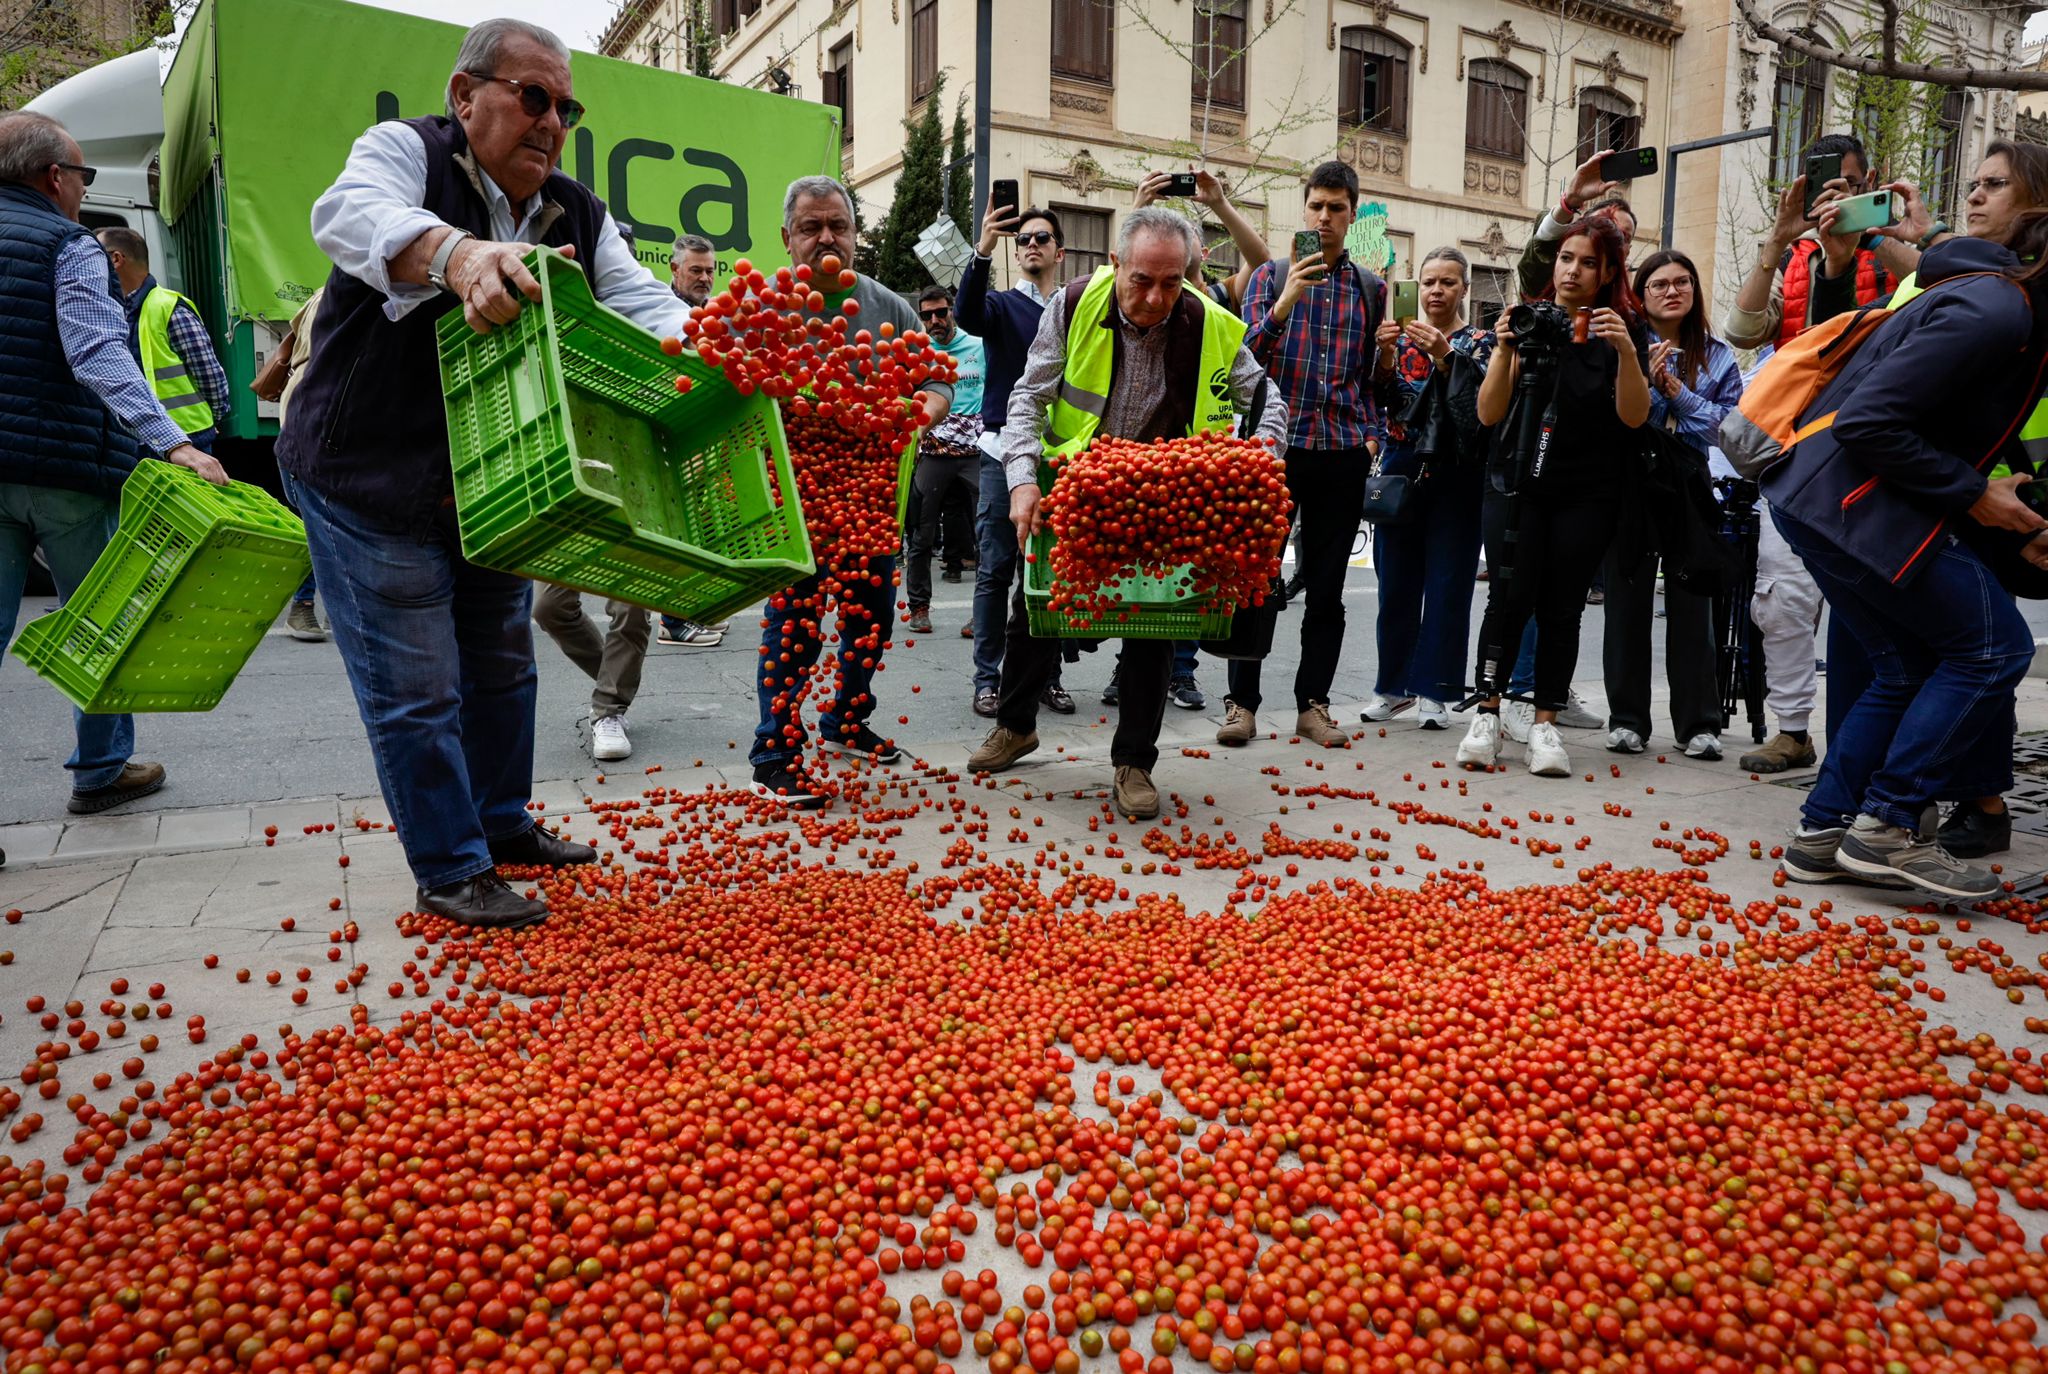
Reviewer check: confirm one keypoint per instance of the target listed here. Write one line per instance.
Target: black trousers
(1328, 490)
(1145, 667)
(1560, 542)
(939, 485)
(1690, 655)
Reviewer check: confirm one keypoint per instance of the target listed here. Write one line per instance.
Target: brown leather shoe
(1782, 753)
(1135, 795)
(137, 780)
(1002, 748)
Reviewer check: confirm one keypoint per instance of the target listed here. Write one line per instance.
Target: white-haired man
(1127, 353)
(427, 216)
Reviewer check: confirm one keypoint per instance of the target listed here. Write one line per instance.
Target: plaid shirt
(1322, 357)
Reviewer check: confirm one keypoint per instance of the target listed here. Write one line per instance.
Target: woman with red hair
(1553, 503)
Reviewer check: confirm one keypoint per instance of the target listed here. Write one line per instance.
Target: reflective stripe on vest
(168, 375)
(1083, 396)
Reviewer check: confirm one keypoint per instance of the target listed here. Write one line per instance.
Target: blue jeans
(1522, 682)
(791, 641)
(440, 654)
(1947, 652)
(995, 564)
(71, 528)
(1425, 584)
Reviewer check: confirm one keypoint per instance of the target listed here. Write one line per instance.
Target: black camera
(1540, 324)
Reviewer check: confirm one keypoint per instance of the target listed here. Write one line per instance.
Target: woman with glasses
(1694, 382)
(1425, 562)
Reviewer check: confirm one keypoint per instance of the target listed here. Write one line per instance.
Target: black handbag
(1389, 498)
(1682, 517)
(1251, 630)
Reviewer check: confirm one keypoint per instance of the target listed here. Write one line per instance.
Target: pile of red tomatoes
(1209, 511)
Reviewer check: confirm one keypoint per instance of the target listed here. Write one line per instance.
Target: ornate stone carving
(1610, 67)
(1378, 154)
(1494, 243)
(1493, 177)
(1745, 89)
(1380, 10)
(1082, 175)
(1503, 38)
(1074, 100)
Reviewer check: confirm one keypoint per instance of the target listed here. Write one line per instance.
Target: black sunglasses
(1035, 238)
(535, 100)
(85, 174)
(938, 314)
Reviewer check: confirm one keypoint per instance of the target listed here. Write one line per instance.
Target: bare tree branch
(1972, 77)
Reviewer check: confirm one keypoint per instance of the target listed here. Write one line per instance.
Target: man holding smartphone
(1313, 323)
(1007, 322)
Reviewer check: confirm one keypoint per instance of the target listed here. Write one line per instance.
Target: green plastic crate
(577, 462)
(178, 600)
(1147, 607)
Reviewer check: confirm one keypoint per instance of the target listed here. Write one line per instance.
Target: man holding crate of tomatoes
(1125, 353)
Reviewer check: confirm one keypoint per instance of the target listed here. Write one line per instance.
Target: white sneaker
(1515, 719)
(608, 742)
(1704, 746)
(1481, 746)
(1576, 716)
(1621, 741)
(1547, 758)
(1431, 715)
(1381, 708)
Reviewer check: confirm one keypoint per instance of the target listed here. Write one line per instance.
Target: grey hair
(484, 45)
(694, 243)
(29, 143)
(1157, 219)
(1447, 253)
(814, 186)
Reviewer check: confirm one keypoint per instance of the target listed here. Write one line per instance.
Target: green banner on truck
(272, 93)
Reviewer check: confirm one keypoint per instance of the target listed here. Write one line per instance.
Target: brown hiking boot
(1318, 727)
(1779, 754)
(1002, 748)
(1135, 795)
(1239, 725)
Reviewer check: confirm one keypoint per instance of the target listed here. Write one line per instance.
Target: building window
(725, 16)
(1084, 39)
(1372, 81)
(1219, 52)
(838, 85)
(1496, 109)
(1607, 119)
(1799, 103)
(749, 8)
(924, 47)
(654, 54)
(1087, 234)
(1493, 290)
(1945, 155)
(1223, 259)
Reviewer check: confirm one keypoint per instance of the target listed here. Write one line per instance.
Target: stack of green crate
(178, 600)
(578, 462)
(1146, 607)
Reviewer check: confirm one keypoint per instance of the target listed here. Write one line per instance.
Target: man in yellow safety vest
(170, 340)
(1126, 353)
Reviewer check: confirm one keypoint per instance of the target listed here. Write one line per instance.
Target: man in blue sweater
(1007, 321)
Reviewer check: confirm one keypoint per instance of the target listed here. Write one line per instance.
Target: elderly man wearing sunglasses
(430, 215)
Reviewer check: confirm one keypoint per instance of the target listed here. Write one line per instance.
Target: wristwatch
(1940, 228)
(437, 270)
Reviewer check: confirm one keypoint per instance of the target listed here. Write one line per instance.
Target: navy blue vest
(366, 425)
(54, 430)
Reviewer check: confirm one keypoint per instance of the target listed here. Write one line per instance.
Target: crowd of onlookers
(1539, 450)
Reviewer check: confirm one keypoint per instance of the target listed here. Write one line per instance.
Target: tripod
(1540, 330)
(1739, 654)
